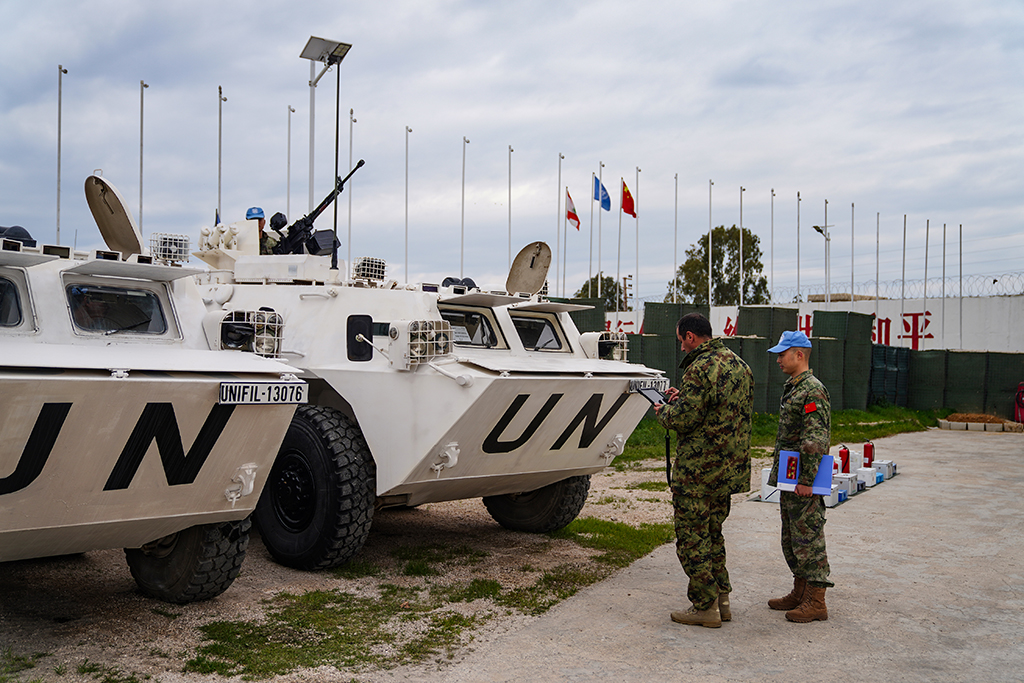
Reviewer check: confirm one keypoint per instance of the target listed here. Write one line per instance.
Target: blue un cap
(253, 212)
(788, 340)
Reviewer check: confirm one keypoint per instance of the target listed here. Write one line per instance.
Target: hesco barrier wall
(856, 372)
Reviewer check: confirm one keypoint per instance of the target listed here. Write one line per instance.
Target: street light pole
(510, 150)
(711, 184)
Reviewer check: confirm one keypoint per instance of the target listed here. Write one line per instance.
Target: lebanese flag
(570, 211)
(627, 201)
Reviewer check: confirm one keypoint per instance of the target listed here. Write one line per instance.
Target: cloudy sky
(895, 108)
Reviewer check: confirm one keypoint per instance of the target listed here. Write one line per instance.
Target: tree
(690, 284)
(609, 291)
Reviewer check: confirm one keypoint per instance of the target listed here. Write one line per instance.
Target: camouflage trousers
(700, 545)
(803, 538)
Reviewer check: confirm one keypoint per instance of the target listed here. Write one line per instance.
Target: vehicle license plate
(659, 383)
(247, 393)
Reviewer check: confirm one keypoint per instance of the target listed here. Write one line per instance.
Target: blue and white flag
(600, 193)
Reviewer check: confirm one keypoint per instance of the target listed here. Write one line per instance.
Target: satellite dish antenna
(112, 217)
(529, 269)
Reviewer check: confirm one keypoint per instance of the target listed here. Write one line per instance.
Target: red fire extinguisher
(844, 456)
(1018, 412)
(869, 453)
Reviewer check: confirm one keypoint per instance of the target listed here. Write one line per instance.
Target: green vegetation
(11, 664)
(848, 426)
(108, 674)
(402, 624)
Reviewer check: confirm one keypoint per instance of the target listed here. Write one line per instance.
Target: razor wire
(1007, 284)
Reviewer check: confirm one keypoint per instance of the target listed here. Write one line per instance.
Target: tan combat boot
(812, 608)
(710, 617)
(723, 607)
(793, 600)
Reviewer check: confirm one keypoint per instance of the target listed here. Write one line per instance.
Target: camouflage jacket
(712, 417)
(805, 425)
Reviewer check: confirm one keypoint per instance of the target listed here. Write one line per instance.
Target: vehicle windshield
(115, 309)
(10, 304)
(537, 334)
(470, 328)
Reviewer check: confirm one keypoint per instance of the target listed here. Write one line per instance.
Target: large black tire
(546, 509)
(316, 509)
(196, 564)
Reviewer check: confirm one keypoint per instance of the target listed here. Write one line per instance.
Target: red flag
(627, 201)
(570, 211)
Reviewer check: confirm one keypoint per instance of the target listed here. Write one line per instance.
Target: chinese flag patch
(810, 407)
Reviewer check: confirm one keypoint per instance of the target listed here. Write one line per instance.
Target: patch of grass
(108, 674)
(648, 486)
(165, 613)
(609, 500)
(356, 569)
(621, 543)
(419, 568)
(848, 426)
(333, 628)
(12, 664)
(474, 590)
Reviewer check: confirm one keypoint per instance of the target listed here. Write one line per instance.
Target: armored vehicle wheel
(196, 564)
(316, 509)
(546, 509)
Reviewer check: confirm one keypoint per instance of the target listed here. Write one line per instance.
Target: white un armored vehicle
(418, 393)
(119, 427)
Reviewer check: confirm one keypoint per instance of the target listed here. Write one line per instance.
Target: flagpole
(924, 308)
(798, 249)
(510, 150)
(407, 131)
(711, 184)
(600, 181)
(636, 278)
(851, 255)
(903, 277)
(742, 190)
(878, 232)
(590, 268)
(462, 242)
(771, 271)
(675, 245)
(565, 238)
(942, 333)
(558, 224)
(618, 252)
(351, 124)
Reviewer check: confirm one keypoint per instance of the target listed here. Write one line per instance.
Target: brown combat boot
(723, 607)
(812, 608)
(710, 617)
(793, 600)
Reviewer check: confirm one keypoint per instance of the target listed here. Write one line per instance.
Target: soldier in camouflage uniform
(804, 426)
(711, 412)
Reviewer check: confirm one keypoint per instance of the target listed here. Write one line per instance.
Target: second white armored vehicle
(419, 393)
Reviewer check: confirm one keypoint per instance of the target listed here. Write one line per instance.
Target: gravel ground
(85, 608)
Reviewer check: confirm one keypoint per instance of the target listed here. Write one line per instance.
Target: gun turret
(301, 238)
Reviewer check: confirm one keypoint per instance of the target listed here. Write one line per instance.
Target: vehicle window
(116, 309)
(471, 328)
(537, 334)
(10, 304)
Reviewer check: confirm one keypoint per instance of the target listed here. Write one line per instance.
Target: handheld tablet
(652, 395)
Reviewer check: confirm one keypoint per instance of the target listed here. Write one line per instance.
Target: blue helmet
(253, 212)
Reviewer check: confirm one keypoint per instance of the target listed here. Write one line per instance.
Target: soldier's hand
(804, 491)
(671, 394)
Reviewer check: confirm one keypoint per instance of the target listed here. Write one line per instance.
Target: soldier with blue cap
(805, 425)
(267, 242)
